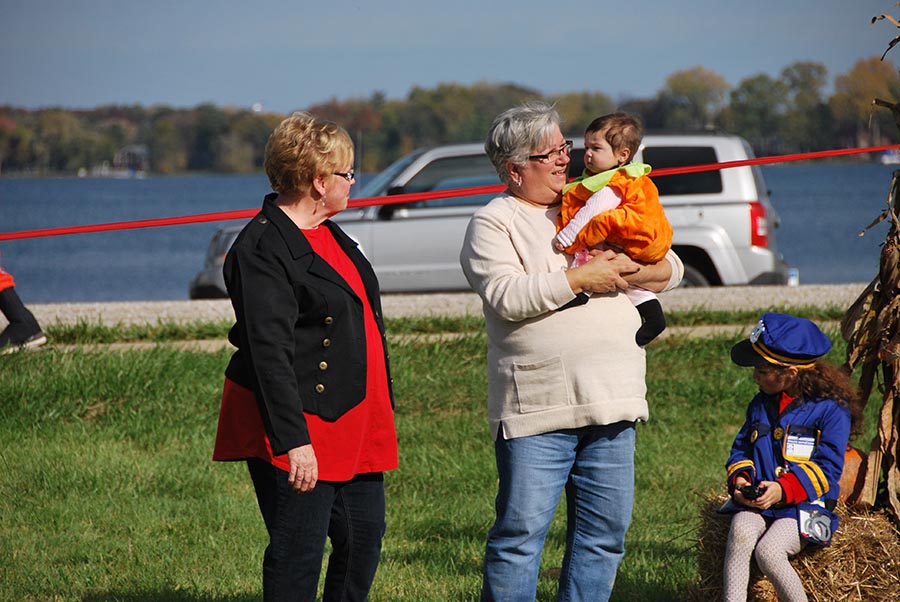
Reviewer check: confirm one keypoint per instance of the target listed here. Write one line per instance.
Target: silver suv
(723, 222)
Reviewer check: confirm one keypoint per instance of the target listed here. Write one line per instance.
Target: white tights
(771, 547)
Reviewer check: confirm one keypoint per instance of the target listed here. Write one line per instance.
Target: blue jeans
(350, 513)
(595, 465)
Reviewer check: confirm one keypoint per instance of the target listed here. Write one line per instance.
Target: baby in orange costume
(615, 204)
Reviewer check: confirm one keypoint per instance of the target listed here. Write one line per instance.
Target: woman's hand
(603, 273)
(652, 276)
(304, 471)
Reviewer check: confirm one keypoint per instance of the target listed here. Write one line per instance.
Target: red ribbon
(417, 196)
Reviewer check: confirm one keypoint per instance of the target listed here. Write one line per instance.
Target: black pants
(350, 513)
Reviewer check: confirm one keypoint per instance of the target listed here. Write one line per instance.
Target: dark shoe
(23, 331)
(10, 343)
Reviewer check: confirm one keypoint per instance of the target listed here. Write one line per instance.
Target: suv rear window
(704, 182)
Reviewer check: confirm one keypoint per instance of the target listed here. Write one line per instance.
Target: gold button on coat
(323, 365)
(320, 388)
(326, 342)
(329, 320)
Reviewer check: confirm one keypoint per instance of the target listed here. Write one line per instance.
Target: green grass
(108, 492)
(84, 332)
(702, 317)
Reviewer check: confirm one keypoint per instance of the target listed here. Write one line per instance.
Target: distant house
(134, 157)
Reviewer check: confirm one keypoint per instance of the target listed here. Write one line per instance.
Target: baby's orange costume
(638, 225)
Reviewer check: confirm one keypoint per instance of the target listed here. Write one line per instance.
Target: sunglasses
(347, 175)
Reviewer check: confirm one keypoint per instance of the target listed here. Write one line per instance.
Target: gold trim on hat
(779, 359)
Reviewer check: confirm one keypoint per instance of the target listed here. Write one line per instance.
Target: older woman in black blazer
(307, 399)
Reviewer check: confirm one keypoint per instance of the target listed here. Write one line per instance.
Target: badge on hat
(757, 331)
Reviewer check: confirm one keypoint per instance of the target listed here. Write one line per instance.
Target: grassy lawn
(108, 492)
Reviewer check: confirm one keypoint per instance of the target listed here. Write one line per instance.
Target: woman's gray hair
(519, 132)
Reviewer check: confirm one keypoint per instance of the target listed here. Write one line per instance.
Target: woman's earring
(323, 199)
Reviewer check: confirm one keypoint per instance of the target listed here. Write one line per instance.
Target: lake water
(822, 207)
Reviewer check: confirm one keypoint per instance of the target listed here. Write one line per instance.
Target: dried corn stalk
(871, 327)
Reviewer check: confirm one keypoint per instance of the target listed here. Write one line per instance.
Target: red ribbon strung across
(417, 196)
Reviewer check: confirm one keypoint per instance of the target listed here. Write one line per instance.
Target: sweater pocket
(541, 385)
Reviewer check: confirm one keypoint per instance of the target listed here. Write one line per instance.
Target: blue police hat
(782, 340)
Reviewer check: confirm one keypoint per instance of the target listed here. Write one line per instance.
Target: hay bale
(861, 564)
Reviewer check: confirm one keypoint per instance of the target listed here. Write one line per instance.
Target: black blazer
(299, 331)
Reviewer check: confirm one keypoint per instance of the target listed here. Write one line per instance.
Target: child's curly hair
(825, 380)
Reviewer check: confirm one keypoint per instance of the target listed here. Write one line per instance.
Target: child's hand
(558, 245)
(741, 481)
(770, 494)
(581, 258)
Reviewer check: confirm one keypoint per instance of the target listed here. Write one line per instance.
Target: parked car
(723, 221)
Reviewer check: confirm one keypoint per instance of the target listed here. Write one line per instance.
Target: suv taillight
(759, 225)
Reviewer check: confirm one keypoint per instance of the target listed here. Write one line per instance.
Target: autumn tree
(807, 124)
(757, 111)
(64, 143)
(362, 118)
(578, 109)
(210, 124)
(695, 98)
(858, 123)
(456, 113)
(167, 138)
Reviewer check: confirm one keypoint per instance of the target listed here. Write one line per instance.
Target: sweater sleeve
(497, 245)
(677, 270)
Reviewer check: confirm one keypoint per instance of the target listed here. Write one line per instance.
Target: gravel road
(753, 297)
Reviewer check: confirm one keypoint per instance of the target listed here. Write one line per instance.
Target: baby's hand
(558, 245)
(581, 258)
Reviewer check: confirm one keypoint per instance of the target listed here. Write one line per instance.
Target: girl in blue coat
(786, 461)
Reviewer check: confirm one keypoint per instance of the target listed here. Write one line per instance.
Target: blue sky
(289, 55)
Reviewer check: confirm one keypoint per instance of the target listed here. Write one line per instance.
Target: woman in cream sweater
(565, 377)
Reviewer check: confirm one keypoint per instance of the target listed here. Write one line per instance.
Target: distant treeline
(790, 113)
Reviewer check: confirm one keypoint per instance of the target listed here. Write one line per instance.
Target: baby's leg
(746, 529)
(780, 542)
(651, 312)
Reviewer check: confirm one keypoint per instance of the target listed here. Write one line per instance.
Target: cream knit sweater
(549, 370)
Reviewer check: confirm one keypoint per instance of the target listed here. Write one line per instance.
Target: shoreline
(777, 298)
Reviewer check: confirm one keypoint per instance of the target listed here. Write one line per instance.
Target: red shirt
(790, 484)
(362, 440)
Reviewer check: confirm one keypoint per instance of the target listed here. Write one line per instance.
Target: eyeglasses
(553, 155)
(347, 175)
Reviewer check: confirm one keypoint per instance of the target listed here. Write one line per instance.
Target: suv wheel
(693, 278)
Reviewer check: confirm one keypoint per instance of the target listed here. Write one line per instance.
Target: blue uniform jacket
(808, 439)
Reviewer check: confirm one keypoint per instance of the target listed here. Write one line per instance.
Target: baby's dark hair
(622, 131)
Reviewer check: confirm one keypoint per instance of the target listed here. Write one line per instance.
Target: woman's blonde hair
(302, 147)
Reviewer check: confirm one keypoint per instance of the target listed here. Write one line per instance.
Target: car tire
(693, 278)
